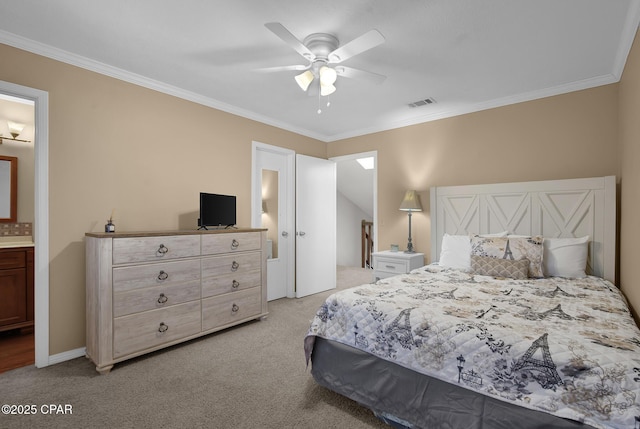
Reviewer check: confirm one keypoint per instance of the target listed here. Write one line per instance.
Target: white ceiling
(467, 55)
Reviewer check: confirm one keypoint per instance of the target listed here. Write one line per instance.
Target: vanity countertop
(16, 241)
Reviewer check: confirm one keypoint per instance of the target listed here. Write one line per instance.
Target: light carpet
(249, 376)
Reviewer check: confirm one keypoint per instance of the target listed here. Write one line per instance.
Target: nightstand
(388, 263)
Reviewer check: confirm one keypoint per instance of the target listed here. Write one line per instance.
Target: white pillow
(565, 257)
(456, 250)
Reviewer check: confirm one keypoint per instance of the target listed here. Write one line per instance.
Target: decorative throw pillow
(456, 250)
(488, 266)
(513, 248)
(565, 257)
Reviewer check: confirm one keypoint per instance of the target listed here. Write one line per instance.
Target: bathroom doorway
(17, 131)
(40, 230)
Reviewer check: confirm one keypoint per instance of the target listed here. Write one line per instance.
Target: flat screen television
(217, 211)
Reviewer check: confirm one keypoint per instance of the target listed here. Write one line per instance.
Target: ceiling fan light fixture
(328, 75)
(322, 50)
(304, 79)
(326, 89)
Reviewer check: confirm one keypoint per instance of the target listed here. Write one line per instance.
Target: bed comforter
(568, 347)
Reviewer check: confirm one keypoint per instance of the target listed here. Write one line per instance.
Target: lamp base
(409, 243)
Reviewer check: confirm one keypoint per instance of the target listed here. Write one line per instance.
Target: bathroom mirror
(8, 189)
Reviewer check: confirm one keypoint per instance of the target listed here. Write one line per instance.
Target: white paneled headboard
(554, 208)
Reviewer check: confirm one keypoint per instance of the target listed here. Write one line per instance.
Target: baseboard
(68, 355)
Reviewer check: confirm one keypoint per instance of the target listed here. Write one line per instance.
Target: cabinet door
(13, 296)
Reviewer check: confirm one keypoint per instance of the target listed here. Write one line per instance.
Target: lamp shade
(15, 128)
(411, 202)
(326, 89)
(328, 75)
(304, 79)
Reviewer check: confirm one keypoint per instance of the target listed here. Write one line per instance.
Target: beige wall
(113, 145)
(567, 136)
(629, 227)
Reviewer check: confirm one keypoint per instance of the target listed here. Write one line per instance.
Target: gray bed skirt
(404, 398)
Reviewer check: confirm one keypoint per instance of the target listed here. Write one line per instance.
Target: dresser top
(175, 232)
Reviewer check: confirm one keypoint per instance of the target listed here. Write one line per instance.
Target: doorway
(16, 259)
(357, 201)
(40, 230)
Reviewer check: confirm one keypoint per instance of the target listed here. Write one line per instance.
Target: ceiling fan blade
(298, 67)
(352, 73)
(368, 40)
(280, 31)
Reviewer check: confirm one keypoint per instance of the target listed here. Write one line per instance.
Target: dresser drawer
(153, 328)
(164, 273)
(146, 249)
(138, 300)
(230, 242)
(391, 266)
(226, 309)
(223, 274)
(230, 282)
(146, 287)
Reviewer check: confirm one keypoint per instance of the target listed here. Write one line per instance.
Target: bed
(518, 325)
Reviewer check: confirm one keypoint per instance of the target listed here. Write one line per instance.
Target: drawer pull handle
(391, 267)
(235, 284)
(234, 308)
(235, 266)
(162, 250)
(163, 328)
(162, 298)
(234, 244)
(163, 276)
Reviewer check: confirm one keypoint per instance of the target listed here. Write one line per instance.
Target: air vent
(424, 102)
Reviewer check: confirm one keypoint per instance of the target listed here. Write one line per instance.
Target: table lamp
(410, 203)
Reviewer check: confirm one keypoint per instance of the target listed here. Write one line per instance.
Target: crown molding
(629, 31)
(478, 107)
(38, 48)
(61, 55)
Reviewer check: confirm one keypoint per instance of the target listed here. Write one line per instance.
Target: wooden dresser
(150, 290)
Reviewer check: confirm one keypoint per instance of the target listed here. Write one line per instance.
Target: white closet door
(315, 225)
(279, 217)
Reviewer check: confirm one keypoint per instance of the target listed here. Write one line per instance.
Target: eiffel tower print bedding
(567, 347)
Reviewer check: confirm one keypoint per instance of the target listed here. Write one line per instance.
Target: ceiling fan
(322, 51)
